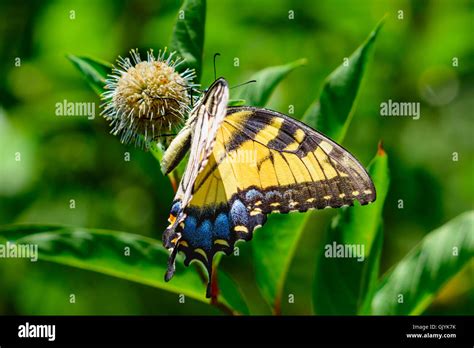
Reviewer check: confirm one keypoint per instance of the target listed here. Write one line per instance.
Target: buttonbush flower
(146, 99)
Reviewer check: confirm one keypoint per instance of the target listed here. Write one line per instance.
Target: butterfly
(245, 163)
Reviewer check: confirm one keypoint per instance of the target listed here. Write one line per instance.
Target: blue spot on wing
(273, 196)
(205, 232)
(175, 208)
(239, 214)
(221, 227)
(189, 231)
(253, 195)
(198, 236)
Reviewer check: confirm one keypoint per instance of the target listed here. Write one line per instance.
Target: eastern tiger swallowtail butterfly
(244, 163)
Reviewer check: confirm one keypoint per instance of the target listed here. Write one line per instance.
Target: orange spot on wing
(172, 219)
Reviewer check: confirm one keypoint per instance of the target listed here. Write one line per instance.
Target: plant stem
(215, 291)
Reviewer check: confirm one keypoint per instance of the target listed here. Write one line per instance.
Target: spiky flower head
(146, 99)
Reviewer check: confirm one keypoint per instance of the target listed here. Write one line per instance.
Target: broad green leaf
(94, 71)
(331, 113)
(411, 285)
(119, 254)
(283, 233)
(231, 293)
(188, 35)
(341, 283)
(371, 274)
(273, 248)
(258, 93)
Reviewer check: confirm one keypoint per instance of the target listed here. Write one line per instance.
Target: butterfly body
(246, 163)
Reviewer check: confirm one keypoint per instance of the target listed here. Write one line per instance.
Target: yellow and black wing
(263, 162)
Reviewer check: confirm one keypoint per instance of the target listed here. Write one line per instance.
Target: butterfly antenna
(243, 84)
(215, 72)
(193, 87)
(191, 97)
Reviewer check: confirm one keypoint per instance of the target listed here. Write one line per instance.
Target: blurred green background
(65, 158)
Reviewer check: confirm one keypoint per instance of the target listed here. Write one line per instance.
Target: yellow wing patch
(209, 187)
(270, 132)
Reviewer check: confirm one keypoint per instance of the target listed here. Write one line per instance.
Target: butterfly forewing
(296, 168)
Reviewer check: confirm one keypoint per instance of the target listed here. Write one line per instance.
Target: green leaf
(107, 252)
(231, 294)
(418, 277)
(282, 233)
(94, 71)
(371, 274)
(273, 249)
(331, 113)
(157, 150)
(258, 93)
(188, 35)
(342, 284)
